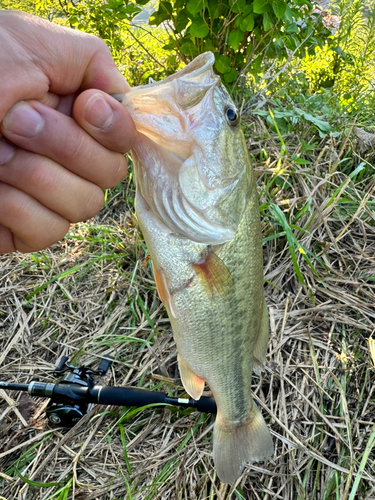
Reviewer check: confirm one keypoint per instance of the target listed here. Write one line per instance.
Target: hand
(53, 167)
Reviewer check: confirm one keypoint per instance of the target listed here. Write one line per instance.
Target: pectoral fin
(193, 384)
(213, 273)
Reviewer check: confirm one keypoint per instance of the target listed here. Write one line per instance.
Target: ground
(93, 295)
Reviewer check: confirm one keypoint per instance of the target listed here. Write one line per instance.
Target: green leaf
(199, 28)
(261, 6)
(278, 40)
(257, 64)
(238, 6)
(188, 48)
(322, 125)
(239, 59)
(340, 53)
(364, 462)
(194, 6)
(302, 161)
(222, 64)
(280, 218)
(247, 24)
(141, 2)
(62, 275)
(279, 8)
(290, 42)
(288, 14)
(230, 76)
(38, 484)
(158, 18)
(267, 21)
(172, 45)
(213, 8)
(182, 20)
(247, 9)
(235, 38)
(165, 7)
(292, 28)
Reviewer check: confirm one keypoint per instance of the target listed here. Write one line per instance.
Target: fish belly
(215, 300)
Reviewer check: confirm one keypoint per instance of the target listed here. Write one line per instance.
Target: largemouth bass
(197, 206)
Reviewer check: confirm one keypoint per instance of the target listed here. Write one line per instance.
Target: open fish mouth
(189, 158)
(168, 110)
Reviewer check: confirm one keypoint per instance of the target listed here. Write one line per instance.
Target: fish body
(197, 206)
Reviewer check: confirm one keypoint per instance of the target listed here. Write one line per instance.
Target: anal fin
(193, 384)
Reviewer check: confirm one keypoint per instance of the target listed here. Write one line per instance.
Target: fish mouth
(199, 71)
(181, 157)
(196, 71)
(168, 111)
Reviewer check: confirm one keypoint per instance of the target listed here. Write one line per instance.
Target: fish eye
(233, 117)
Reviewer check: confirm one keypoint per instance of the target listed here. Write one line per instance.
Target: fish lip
(203, 62)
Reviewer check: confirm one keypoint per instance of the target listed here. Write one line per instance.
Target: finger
(51, 100)
(55, 187)
(64, 104)
(34, 227)
(66, 61)
(40, 129)
(6, 240)
(105, 119)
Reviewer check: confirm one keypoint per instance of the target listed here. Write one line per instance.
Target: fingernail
(23, 120)
(6, 151)
(98, 112)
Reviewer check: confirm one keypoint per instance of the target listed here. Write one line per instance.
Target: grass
(93, 295)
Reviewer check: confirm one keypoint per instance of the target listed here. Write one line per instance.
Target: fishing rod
(76, 393)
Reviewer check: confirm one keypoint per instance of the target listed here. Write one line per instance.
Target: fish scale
(208, 271)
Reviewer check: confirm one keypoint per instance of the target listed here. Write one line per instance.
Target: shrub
(239, 32)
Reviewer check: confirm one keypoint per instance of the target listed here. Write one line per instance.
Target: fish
(197, 206)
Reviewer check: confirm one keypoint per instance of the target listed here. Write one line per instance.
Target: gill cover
(191, 164)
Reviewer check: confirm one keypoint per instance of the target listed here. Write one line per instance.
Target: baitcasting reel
(65, 412)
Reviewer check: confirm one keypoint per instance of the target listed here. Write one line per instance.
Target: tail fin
(233, 447)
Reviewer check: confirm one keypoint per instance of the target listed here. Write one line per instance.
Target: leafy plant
(239, 32)
(104, 19)
(299, 112)
(345, 63)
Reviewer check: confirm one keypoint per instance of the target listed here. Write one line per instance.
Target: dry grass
(316, 392)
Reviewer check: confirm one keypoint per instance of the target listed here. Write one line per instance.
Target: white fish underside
(197, 206)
